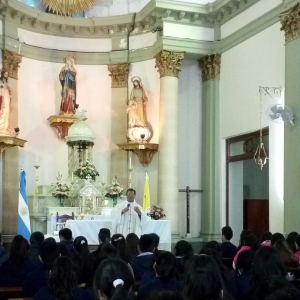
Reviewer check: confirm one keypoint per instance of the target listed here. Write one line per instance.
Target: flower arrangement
(114, 191)
(86, 171)
(60, 190)
(156, 212)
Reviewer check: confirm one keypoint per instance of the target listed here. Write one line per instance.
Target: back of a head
(213, 245)
(272, 285)
(227, 232)
(266, 236)
(36, 238)
(245, 260)
(146, 243)
(243, 234)
(49, 251)
(113, 279)
(118, 240)
(63, 279)
(267, 262)
(168, 295)
(202, 284)
(185, 249)
(132, 241)
(104, 235)
(107, 251)
(292, 235)
(18, 251)
(275, 237)
(251, 241)
(202, 261)
(156, 240)
(65, 234)
(285, 294)
(165, 264)
(298, 241)
(80, 243)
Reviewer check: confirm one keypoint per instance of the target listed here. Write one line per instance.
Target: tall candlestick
(37, 159)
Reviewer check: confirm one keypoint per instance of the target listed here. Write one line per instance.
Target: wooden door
(256, 216)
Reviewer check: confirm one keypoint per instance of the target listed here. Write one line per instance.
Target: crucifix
(187, 190)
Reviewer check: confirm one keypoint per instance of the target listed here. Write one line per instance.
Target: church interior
(217, 89)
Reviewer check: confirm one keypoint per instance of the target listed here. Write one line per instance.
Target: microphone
(128, 205)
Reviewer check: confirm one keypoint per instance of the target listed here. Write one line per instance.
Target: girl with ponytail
(113, 280)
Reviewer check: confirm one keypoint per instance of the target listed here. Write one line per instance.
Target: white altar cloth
(88, 228)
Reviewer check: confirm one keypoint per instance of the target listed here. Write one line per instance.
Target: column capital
(119, 75)
(289, 20)
(10, 62)
(210, 66)
(169, 63)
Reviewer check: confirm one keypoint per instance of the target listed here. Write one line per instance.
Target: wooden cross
(187, 190)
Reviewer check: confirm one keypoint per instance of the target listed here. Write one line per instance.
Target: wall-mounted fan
(280, 113)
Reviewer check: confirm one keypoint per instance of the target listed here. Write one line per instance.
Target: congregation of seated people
(130, 267)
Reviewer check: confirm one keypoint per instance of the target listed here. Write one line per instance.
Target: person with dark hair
(213, 245)
(66, 239)
(141, 263)
(156, 240)
(266, 264)
(184, 253)
(35, 240)
(242, 237)
(297, 254)
(14, 270)
(202, 284)
(271, 285)
(291, 241)
(103, 238)
(243, 273)
(286, 253)
(113, 280)
(288, 293)
(227, 248)
(150, 274)
(83, 259)
(275, 237)
(165, 267)
(168, 295)
(250, 243)
(48, 253)
(132, 242)
(265, 239)
(128, 216)
(62, 283)
(118, 241)
(226, 275)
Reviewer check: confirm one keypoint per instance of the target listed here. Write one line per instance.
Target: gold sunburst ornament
(68, 7)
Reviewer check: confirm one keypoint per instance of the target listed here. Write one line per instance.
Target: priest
(128, 216)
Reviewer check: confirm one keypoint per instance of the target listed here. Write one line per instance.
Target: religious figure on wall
(5, 103)
(136, 109)
(137, 103)
(67, 77)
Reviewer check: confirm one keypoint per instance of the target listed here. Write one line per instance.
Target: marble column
(290, 25)
(168, 64)
(211, 150)
(10, 157)
(119, 86)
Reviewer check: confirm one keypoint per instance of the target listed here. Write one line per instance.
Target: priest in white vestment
(128, 216)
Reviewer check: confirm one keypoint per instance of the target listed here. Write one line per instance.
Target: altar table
(88, 228)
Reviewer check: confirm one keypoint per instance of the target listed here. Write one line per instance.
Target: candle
(130, 162)
(103, 178)
(37, 159)
(20, 48)
(72, 176)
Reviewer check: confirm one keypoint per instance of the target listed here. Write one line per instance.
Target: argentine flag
(23, 212)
